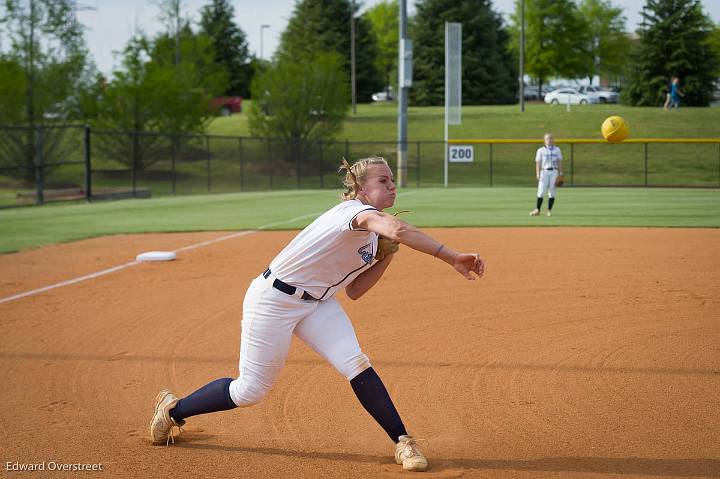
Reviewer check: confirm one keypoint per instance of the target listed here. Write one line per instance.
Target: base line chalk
(185, 248)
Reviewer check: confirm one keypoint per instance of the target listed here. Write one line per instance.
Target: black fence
(62, 163)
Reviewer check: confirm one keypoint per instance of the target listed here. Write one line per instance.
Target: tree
(229, 45)
(161, 93)
(714, 42)
(675, 41)
(318, 26)
(151, 95)
(128, 105)
(45, 60)
(383, 19)
(556, 39)
(198, 68)
(171, 16)
(609, 44)
(12, 105)
(302, 102)
(488, 69)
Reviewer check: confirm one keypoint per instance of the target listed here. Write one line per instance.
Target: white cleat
(162, 424)
(408, 454)
(535, 212)
(549, 213)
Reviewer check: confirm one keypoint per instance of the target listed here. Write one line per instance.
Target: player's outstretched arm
(398, 230)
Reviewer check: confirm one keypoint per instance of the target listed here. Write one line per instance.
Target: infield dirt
(582, 353)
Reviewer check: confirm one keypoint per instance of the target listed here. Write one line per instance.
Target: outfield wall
(78, 163)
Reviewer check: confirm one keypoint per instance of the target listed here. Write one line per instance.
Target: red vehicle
(226, 105)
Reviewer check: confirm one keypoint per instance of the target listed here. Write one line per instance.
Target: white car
(563, 96)
(386, 95)
(603, 96)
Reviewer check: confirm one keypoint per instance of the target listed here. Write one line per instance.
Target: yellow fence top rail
(579, 140)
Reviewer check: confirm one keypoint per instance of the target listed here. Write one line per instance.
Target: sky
(110, 23)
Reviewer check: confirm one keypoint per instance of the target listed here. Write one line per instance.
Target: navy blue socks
(372, 394)
(551, 202)
(539, 202)
(367, 385)
(212, 397)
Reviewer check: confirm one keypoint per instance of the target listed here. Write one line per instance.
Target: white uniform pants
(270, 318)
(547, 182)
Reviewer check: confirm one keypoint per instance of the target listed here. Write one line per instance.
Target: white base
(156, 256)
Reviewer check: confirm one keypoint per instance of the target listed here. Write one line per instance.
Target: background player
(548, 165)
(296, 295)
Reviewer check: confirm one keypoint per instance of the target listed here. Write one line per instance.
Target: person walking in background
(667, 98)
(675, 93)
(548, 165)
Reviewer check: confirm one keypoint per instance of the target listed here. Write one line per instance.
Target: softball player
(548, 165)
(296, 295)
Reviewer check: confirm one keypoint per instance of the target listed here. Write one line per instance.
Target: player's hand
(466, 264)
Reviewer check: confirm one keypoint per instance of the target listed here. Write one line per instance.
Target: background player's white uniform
(549, 159)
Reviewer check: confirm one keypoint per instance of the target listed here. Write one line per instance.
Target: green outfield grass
(430, 207)
(512, 165)
(378, 122)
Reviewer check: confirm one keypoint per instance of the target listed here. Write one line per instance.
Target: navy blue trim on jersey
(350, 227)
(351, 272)
(357, 269)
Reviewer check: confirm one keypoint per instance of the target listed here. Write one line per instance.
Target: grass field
(378, 122)
(430, 207)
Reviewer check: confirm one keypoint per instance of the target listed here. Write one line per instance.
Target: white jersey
(329, 253)
(549, 158)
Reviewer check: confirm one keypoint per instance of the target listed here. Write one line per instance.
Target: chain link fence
(64, 163)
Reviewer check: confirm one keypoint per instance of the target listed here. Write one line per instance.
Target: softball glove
(385, 248)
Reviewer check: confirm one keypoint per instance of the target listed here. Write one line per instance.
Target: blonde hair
(356, 174)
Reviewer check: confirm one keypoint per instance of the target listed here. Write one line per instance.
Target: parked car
(603, 96)
(531, 93)
(226, 105)
(571, 95)
(386, 95)
(54, 115)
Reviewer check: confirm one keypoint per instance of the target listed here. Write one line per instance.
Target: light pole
(522, 56)
(262, 29)
(404, 82)
(352, 57)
